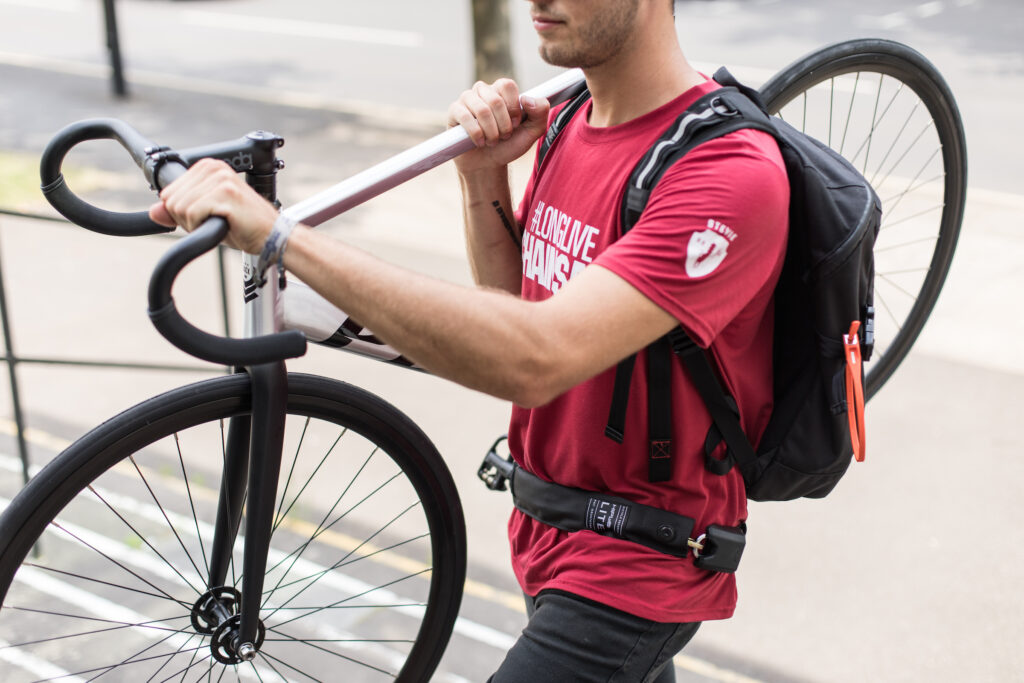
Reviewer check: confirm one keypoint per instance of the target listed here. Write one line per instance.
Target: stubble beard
(602, 38)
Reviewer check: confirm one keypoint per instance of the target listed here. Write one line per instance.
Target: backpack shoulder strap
(563, 118)
(718, 113)
(713, 116)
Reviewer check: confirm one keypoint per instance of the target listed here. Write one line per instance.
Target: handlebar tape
(60, 196)
(99, 220)
(226, 351)
(181, 333)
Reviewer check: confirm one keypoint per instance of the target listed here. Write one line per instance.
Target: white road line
(901, 18)
(57, 5)
(34, 665)
(929, 9)
(303, 29)
(379, 113)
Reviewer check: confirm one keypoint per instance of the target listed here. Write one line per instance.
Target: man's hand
(212, 188)
(501, 125)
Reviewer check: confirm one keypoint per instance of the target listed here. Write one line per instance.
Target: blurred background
(908, 572)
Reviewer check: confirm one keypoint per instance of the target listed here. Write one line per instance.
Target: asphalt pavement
(908, 572)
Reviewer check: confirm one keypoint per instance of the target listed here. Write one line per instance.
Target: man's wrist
(272, 253)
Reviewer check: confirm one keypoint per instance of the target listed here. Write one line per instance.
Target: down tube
(300, 308)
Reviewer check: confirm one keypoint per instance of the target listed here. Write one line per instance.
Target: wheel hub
(215, 614)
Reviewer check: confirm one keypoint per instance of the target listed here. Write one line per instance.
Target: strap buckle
(720, 548)
(495, 471)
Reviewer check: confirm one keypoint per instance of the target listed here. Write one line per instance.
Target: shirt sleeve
(712, 238)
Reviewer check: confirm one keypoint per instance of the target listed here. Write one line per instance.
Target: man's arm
(503, 128)
(493, 239)
(526, 352)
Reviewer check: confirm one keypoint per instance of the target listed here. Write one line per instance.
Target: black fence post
(12, 362)
(114, 47)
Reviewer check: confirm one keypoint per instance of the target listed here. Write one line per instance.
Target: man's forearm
(493, 239)
(476, 337)
(485, 339)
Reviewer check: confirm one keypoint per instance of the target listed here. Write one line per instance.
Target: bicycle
(142, 540)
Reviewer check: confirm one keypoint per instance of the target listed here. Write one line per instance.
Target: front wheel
(104, 556)
(888, 110)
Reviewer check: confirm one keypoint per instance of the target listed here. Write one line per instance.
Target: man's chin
(556, 57)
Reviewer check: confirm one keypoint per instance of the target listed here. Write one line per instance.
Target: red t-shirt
(708, 249)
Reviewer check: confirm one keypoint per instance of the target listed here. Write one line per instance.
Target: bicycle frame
(254, 444)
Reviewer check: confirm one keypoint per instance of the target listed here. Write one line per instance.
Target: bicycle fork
(251, 467)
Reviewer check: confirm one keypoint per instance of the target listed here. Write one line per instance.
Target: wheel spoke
(191, 504)
(345, 562)
(66, 615)
(353, 597)
(135, 657)
(162, 595)
(308, 481)
(288, 480)
(170, 525)
(849, 114)
(305, 545)
(312, 644)
(78, 537)
(267, 656)
(320, 527)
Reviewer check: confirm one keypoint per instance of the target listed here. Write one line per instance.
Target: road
(904, 574)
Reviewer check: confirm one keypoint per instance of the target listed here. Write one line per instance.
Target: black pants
(569, 638)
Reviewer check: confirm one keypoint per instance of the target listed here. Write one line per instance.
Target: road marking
(381, 114)
(57, 5)
(901, 18)
(303, 29)
(929, 9)
(38, 667)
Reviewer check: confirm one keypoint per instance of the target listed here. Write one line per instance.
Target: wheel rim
(885, 108)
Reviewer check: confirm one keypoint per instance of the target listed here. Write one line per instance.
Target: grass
(19, 181)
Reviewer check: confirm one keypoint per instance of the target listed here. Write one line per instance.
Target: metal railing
(13, 360)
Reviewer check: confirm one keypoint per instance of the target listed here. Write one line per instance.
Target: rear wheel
(888, 110)
(104, 555)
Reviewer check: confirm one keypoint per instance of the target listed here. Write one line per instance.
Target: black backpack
(824, 313)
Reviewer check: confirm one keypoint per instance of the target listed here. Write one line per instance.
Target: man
(561, 301)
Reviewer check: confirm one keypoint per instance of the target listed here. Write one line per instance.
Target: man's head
(588, 33)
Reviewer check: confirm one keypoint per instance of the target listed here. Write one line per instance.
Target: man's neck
(638, 81)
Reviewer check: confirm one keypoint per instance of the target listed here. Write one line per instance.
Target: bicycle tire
(913, 116)
(124, 517)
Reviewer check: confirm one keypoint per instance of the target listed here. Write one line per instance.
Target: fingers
(489, 113)
(158, 214)
(536, 112)
(209, 188)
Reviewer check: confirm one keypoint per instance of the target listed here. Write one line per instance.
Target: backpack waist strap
(718, 549)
